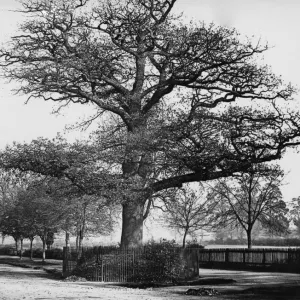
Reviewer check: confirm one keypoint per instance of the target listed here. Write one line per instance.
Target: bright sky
(275, 21)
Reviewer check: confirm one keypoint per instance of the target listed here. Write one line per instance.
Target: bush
(55, 253)
(153, 263)
(159, 262)
(37, 253)
(7, 250)
(194, 244)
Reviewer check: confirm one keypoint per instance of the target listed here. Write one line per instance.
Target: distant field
(244, 246)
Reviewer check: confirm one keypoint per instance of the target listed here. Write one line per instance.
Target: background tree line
(42, 207)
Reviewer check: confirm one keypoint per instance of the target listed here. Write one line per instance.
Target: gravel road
(22, 283)
(27, 283)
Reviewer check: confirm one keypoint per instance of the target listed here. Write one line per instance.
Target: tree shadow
(13, 272)
(266, 293)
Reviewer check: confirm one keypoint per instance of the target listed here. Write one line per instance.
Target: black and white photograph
(150, 149)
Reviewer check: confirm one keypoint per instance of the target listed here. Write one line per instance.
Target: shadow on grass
(51, 273)
(200, 281)
(11, 272)
(265, 293)
(256, 293)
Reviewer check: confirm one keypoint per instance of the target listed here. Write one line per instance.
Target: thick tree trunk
(132, 224)
(137, 165)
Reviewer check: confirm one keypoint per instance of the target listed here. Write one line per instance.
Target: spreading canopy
(189, 102)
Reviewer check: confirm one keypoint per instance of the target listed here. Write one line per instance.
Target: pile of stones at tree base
(202, 292)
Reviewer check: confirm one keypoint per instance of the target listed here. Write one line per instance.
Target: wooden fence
(279, 259)
(108, 264)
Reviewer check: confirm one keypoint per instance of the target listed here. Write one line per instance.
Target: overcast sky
(274, 21)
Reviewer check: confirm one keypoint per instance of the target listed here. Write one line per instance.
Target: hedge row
(154, 262)
(56, 253)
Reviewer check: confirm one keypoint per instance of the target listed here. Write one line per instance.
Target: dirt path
(21, 283)
(24, 283)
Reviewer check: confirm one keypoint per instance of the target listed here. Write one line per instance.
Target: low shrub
(7, 250)
(160, 262)
(55, 253)
(154, 262)
(37, 253)
(194, 244)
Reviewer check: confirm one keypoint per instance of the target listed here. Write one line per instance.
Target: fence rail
(287, 259)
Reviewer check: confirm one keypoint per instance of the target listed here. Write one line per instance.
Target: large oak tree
(186, 102)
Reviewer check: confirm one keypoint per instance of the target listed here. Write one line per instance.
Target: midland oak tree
(172, 89)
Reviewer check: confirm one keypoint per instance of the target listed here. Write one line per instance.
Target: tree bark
(31, 250)
(44, 251)
(44, 239)
(77, 239)
(132, 224)
(80, 239)
(184, 237)
(137, 165)
(21, 249)
(67, 239)
(249, 239)
(17, 244)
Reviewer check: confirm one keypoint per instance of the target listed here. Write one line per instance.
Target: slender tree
(46, 215)
(249, 198)
(11, 224)
(294, 214)
(170, 89)
(187, 212)
(92, 216)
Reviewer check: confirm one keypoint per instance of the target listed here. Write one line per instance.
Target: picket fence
(281, 259)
